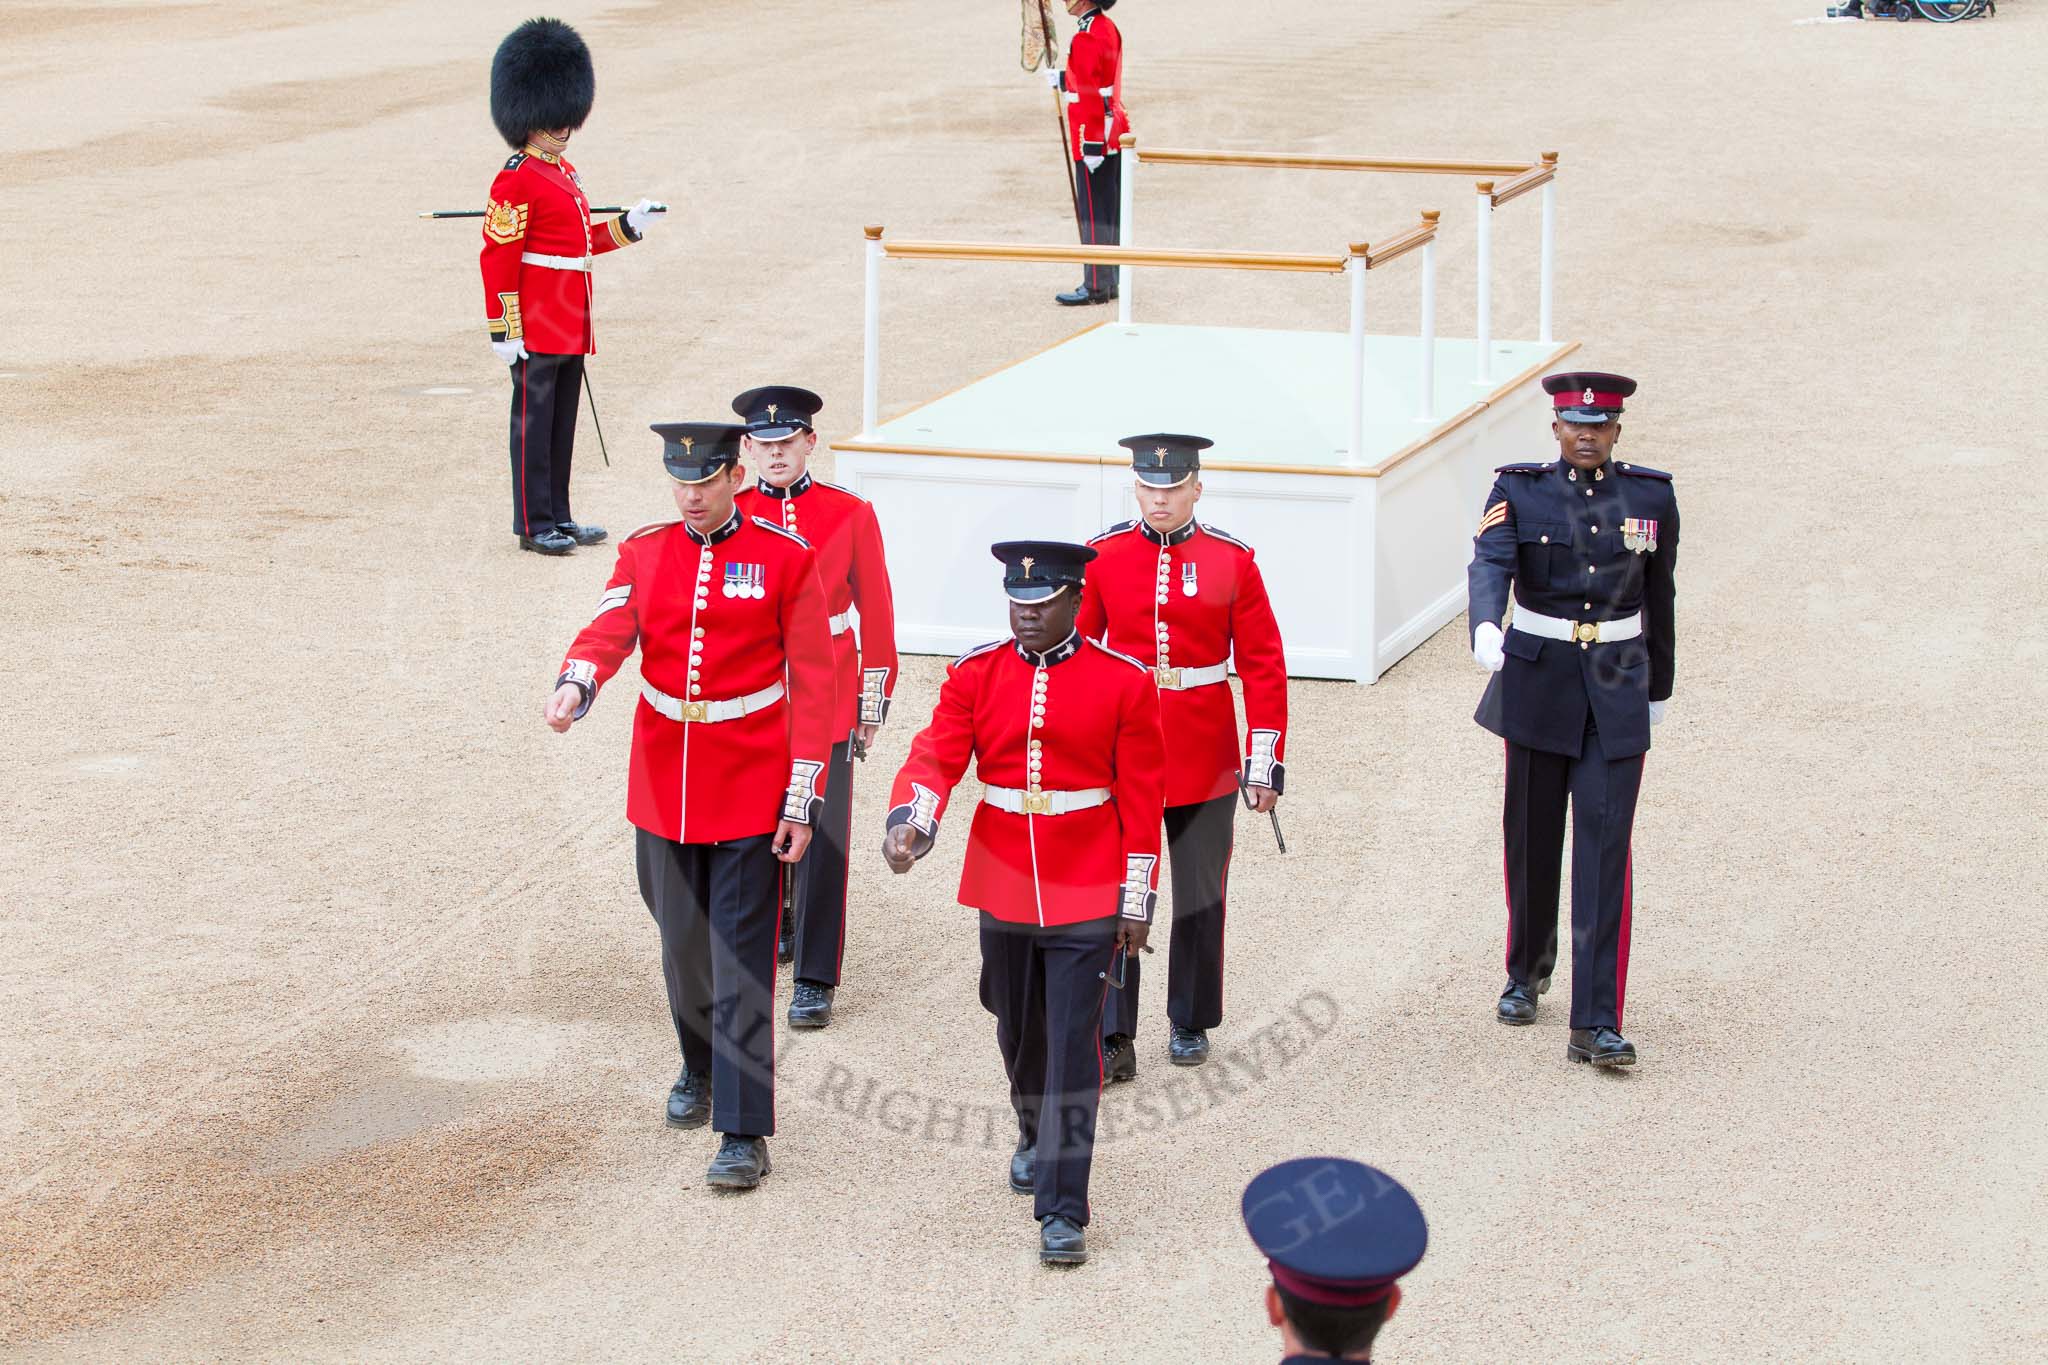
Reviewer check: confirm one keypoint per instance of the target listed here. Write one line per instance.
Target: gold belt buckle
(696, 710)
(1038, 803)
(1586, 632)
(1168, 678)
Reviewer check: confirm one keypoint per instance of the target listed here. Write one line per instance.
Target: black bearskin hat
(540, 79)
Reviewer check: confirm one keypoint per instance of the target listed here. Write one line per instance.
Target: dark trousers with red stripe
(1198, 843)
(1602, 793)
(716, 907)
(1098, 204)
(1045, 988)
(818, 899)
(545, 392)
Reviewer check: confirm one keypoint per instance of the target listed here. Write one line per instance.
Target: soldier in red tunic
(538, 242)
(730, 740)
(1190, 600)
(842, 528)
(1093, 86)
(1062, 859)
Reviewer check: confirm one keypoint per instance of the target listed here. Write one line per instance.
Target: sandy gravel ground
(331, 1021)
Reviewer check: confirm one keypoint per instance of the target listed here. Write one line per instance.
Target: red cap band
(1329, 1293)
(1585, 398)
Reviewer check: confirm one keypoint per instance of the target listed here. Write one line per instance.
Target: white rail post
(1483, 329)
(1549, 268)
(1356, 268)
(1127, 192)
(871, 335)
(1428, 411)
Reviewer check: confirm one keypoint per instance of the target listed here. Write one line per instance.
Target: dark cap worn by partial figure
(541, 80)
(774, 411)
(1335, 1232)
(1040, 570)
(693, 451)
(1587, 397)
(1165, 459)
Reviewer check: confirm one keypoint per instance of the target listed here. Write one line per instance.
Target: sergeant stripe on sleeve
(1497, 515)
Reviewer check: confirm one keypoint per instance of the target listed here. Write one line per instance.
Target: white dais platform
(1364, 551)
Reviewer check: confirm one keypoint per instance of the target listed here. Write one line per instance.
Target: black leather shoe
(1076, 296)
(1517, 1005)
(741, 1163)
(1023, 1167)
(1543, 986)
(582, 535)
(810, 1006)
(1061, 1241)
(1601, 1046)
(548, 542)
(1188, 1046)
(689, 1101)
(1119, 1059)
(785, 949)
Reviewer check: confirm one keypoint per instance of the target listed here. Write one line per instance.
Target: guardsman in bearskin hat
(538, 244)
(1586, 546)
(1092, 84)
(1062, 859)
(841, 526)
(1189, 600)
(730, 739)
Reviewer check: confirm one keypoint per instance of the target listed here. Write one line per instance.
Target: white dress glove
(641, 216)
(1486, 647)
(1052, 76)
(1093, 163)
(1657, 712)
(511, 352)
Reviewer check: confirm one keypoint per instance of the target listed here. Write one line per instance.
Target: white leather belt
(581, 263)
(710, 712)
(840, 624)
(1181, 679)
(1585, 632)
(1044, 803)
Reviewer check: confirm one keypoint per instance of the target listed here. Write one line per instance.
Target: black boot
(547, 541)
(1601, 1046)
(810, 1006)
(689, 1100)
(1079, 294)
(1061, 1241)
(1188, 1046)
(1119, 1059)
(1517, 1005)
(1023, 1166)
(741, 1163)
(582, 535)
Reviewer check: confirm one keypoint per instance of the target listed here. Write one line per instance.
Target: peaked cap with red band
(1334, 1231)
(1587, 397)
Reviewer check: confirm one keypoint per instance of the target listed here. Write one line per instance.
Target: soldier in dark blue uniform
(1588, 545)
(1337, 1236)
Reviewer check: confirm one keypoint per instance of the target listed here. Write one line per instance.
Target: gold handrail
(1540, 174)
(1113, 255)
(1315, 161)
(1422, 234)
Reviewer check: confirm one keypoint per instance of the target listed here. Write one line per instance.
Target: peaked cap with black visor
(1587, 398)
(692, 452)
(775, 411)
(1165, 459)
(1039, 570)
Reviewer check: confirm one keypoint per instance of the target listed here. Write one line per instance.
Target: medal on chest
(1187, 579)
(745, 581)
(1638, 534)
